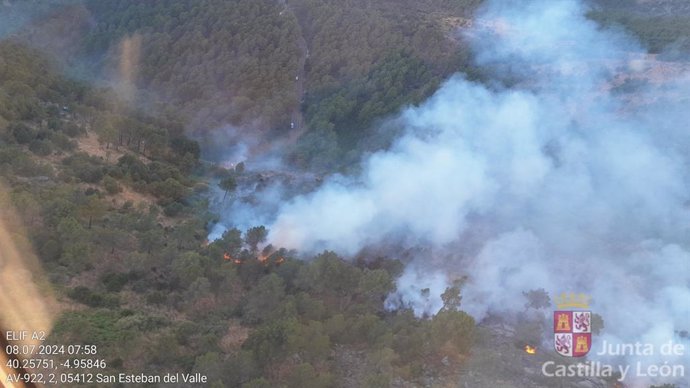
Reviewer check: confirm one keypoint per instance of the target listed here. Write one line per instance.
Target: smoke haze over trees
(568, 187)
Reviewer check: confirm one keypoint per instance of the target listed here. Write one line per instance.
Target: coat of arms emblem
(572, 328)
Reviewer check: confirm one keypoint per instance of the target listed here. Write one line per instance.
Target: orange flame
(228, 257)
(280, 260)
(530, 349)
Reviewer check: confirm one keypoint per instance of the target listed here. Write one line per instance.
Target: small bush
(110, 185)
(22, 133)
(114, 282)
(91, 191)
(62, 142)
(41, 147)
(18, 162)
(156, 297)
(173, 209)
(85, 167)
(72, 130)
(90, 298)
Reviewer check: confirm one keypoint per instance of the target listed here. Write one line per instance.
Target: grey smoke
(555, 182)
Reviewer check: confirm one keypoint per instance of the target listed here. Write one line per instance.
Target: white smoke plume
(555, 182)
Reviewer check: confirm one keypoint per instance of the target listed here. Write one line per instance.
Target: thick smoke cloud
(554, 182)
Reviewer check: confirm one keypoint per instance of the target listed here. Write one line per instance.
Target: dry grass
(235, 337)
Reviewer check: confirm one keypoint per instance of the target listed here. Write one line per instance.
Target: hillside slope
(238, 63)
(109, 199)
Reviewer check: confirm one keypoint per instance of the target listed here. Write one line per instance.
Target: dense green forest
(657, 33)
(652, 22)
(323, 70)
(239, 62)
(221, 61)
(119, 228)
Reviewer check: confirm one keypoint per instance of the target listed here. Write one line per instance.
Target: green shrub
(134, 168)
(90, 298)
(110, 185)
(41, 147)
(72, 130)
(22, 133)
(169, 189)
(62, 142)
(156, 297)
(17, 162)
(173, 209)
(114, 282)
